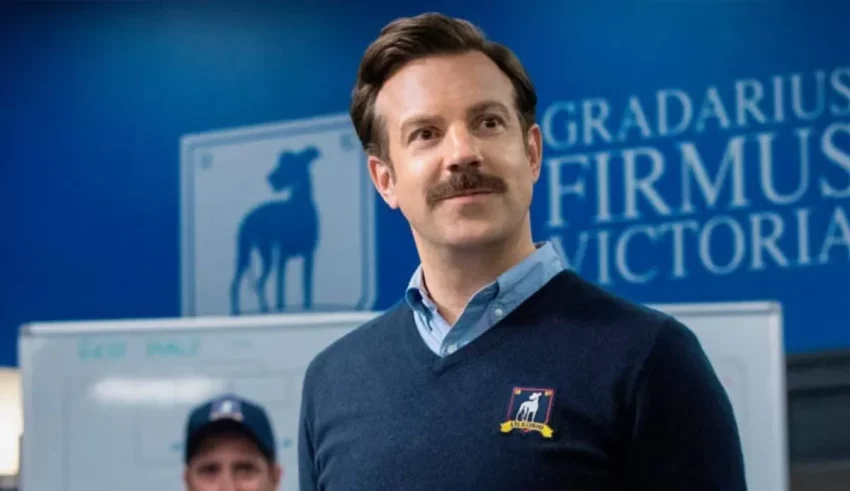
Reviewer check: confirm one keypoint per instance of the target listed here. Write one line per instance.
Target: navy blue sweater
(574, 390)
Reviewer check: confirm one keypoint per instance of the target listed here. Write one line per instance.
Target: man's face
(231, 463)
(462, 169)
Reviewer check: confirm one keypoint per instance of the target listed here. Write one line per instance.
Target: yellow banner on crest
(511, 425)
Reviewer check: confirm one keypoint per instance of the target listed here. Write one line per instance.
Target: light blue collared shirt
(487, 307)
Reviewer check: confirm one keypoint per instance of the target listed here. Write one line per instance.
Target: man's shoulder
(373, 336)
(641, 330)
(626, 330)
(598, 306)
(635, 335)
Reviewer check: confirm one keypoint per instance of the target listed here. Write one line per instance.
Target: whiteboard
(105, 402)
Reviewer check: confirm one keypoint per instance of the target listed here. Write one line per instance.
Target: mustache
(468, 180)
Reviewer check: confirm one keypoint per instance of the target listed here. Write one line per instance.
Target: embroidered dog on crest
(529, 410)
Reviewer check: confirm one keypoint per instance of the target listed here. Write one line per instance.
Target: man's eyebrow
(418, 120)
(486, 106)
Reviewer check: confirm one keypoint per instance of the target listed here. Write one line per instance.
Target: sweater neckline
(416, 348)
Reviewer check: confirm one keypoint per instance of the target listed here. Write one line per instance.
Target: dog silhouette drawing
(528, 409)
(279, 230)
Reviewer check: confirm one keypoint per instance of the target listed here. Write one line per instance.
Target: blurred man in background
(230, 446)
(500, 369)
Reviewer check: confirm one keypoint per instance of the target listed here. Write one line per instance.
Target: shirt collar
(416, 294)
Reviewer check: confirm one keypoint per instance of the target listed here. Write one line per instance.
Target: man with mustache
(499, 369)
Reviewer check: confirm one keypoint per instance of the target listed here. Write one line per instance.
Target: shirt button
(498, 312)
(452, 348)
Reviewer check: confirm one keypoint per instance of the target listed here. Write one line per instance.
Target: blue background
(95, 97)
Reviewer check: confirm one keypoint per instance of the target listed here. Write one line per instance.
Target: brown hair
(406, 39)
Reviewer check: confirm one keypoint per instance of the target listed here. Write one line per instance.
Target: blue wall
(96, 97)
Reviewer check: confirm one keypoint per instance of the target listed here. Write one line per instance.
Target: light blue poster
(277, 217)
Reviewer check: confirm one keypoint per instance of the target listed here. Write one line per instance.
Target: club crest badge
(529, 410)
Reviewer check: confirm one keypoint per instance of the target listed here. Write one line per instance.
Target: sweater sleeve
(307, 478)
(684, 431)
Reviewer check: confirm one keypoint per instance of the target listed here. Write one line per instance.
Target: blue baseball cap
(229, 413)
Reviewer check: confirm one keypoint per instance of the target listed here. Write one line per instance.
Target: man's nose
(464, 149)
(227, 483)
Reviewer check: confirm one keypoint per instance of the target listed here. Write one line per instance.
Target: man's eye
(422, 134)
(491, 122)
(208, 469)
(246, 469)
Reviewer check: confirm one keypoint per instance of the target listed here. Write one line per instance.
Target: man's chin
(471, 236)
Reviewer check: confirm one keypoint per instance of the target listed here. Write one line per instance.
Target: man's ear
(534, 144)
(277, 475)
(383, 179)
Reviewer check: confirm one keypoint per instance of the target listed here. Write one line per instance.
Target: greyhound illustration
(528, 409)
(287, 226)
